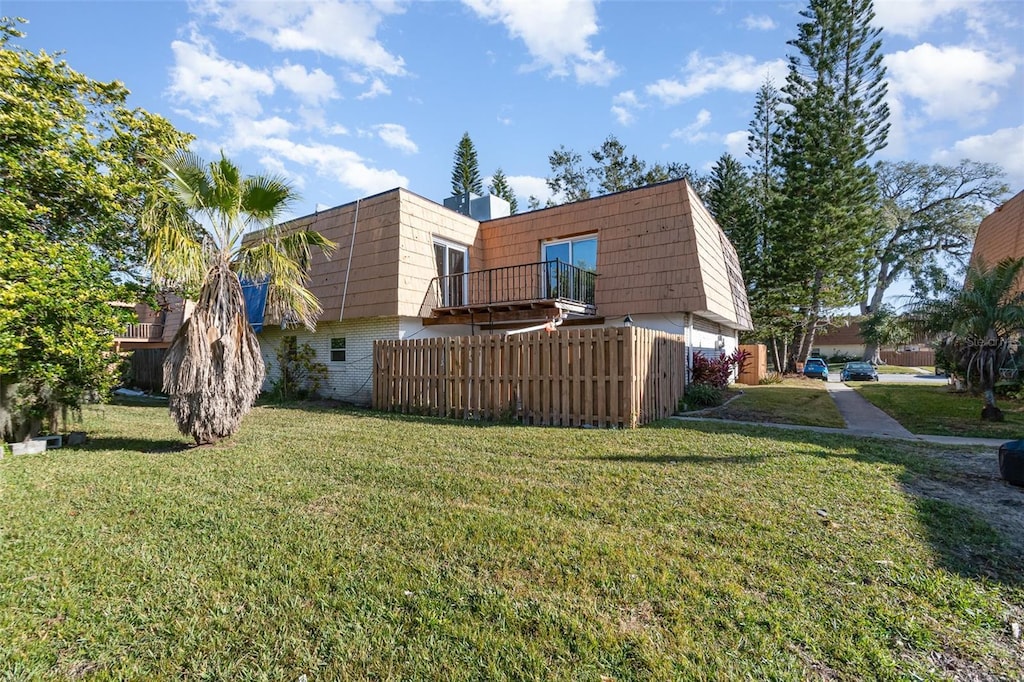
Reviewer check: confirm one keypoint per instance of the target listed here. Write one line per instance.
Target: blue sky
(349, 99)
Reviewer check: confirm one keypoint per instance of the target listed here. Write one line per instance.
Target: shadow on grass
(682, 459)
(147, 446)
(965, 514)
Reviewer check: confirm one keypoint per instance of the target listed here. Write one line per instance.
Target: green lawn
(346, 545)
(938, 410)
(794, 401)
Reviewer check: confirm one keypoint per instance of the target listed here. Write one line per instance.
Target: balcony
(141, 335)
(516, 293)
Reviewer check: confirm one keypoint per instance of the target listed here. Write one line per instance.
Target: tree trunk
(872, 353)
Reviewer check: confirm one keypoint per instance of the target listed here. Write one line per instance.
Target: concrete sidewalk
(862, 417)
(863, 420)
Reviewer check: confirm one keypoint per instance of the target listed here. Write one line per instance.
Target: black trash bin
(1011, 462)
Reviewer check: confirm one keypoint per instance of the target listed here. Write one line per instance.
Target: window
(338, 349)
(565, 282)
(452, 263)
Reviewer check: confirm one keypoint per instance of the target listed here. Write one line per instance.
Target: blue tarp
(255, 294)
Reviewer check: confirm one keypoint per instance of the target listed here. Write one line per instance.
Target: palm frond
(264, 198)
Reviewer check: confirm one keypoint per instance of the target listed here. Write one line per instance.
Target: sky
(350, 99)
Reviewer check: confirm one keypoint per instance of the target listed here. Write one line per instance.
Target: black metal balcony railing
(516, 284)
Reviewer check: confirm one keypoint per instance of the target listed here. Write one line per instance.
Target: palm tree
(980, 322)
(195, 236)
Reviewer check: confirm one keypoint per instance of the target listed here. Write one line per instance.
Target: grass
(937, 410)
(794, 401)
(894, 369)
(347, 545)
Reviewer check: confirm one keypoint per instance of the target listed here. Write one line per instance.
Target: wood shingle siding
(1001, 234)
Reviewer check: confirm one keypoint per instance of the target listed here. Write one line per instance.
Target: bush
(770, 378)
(842, 358)
(301, 376)
(700, 396)
(716, 372)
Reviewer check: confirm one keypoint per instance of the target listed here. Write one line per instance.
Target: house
(1001, 234)
(150, 336)
(407, 267)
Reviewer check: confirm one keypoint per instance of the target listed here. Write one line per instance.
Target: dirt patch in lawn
(973, 481)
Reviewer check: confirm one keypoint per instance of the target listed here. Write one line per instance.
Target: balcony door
(452, 262)
(563, 282)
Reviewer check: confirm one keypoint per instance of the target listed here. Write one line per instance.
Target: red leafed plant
(716, 371)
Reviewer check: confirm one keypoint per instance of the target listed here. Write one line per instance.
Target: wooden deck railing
(573, 377)
(143, 331)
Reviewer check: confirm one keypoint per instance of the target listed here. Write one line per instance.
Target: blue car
(816, 368)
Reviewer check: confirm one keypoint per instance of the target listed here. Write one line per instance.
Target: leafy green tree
(884, 327)
(979, 322)
(568, 177)
(613, 170)
(194, 230)
(500, 188)
(74, 173)
(466, 169)
(56, 331)
(927, 219)
(837, 119)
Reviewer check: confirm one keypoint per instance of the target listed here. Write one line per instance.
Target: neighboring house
(1001, 234)
(154, 329)
(407, 267)
(845, 339)
(150, 336)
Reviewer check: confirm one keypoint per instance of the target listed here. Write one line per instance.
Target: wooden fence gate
(622, 376)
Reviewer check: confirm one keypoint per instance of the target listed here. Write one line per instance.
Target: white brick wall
(349, 380)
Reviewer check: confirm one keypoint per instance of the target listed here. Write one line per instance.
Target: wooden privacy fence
(908, 358)
(622, 376)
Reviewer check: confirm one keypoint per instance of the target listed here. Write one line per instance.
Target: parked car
(816, 368)
(858, 371)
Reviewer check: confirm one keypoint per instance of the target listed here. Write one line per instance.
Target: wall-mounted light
(627, 321)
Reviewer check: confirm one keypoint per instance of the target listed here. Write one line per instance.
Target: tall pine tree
(837, 120)
(500, 188)
(466, 170)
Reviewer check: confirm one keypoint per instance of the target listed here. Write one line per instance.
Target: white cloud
(738, 73)
(911, 17)
(313, 87)
(526, 186)
(624, 106)
(213, 86)
(395, 136)
(736, 143)
(761, 22)
(377, 88)
(952, 82)
(695, 131)
(345, 30)
(1004, 147)
(556, 33)
(343, 165)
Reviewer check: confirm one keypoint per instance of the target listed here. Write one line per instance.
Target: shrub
(699, 396)
(842, 358)
(301, 376)
(718, 371)
(770, 378)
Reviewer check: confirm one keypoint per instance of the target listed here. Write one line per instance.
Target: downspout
(348, 269)
(550, 326)
(689, 347)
